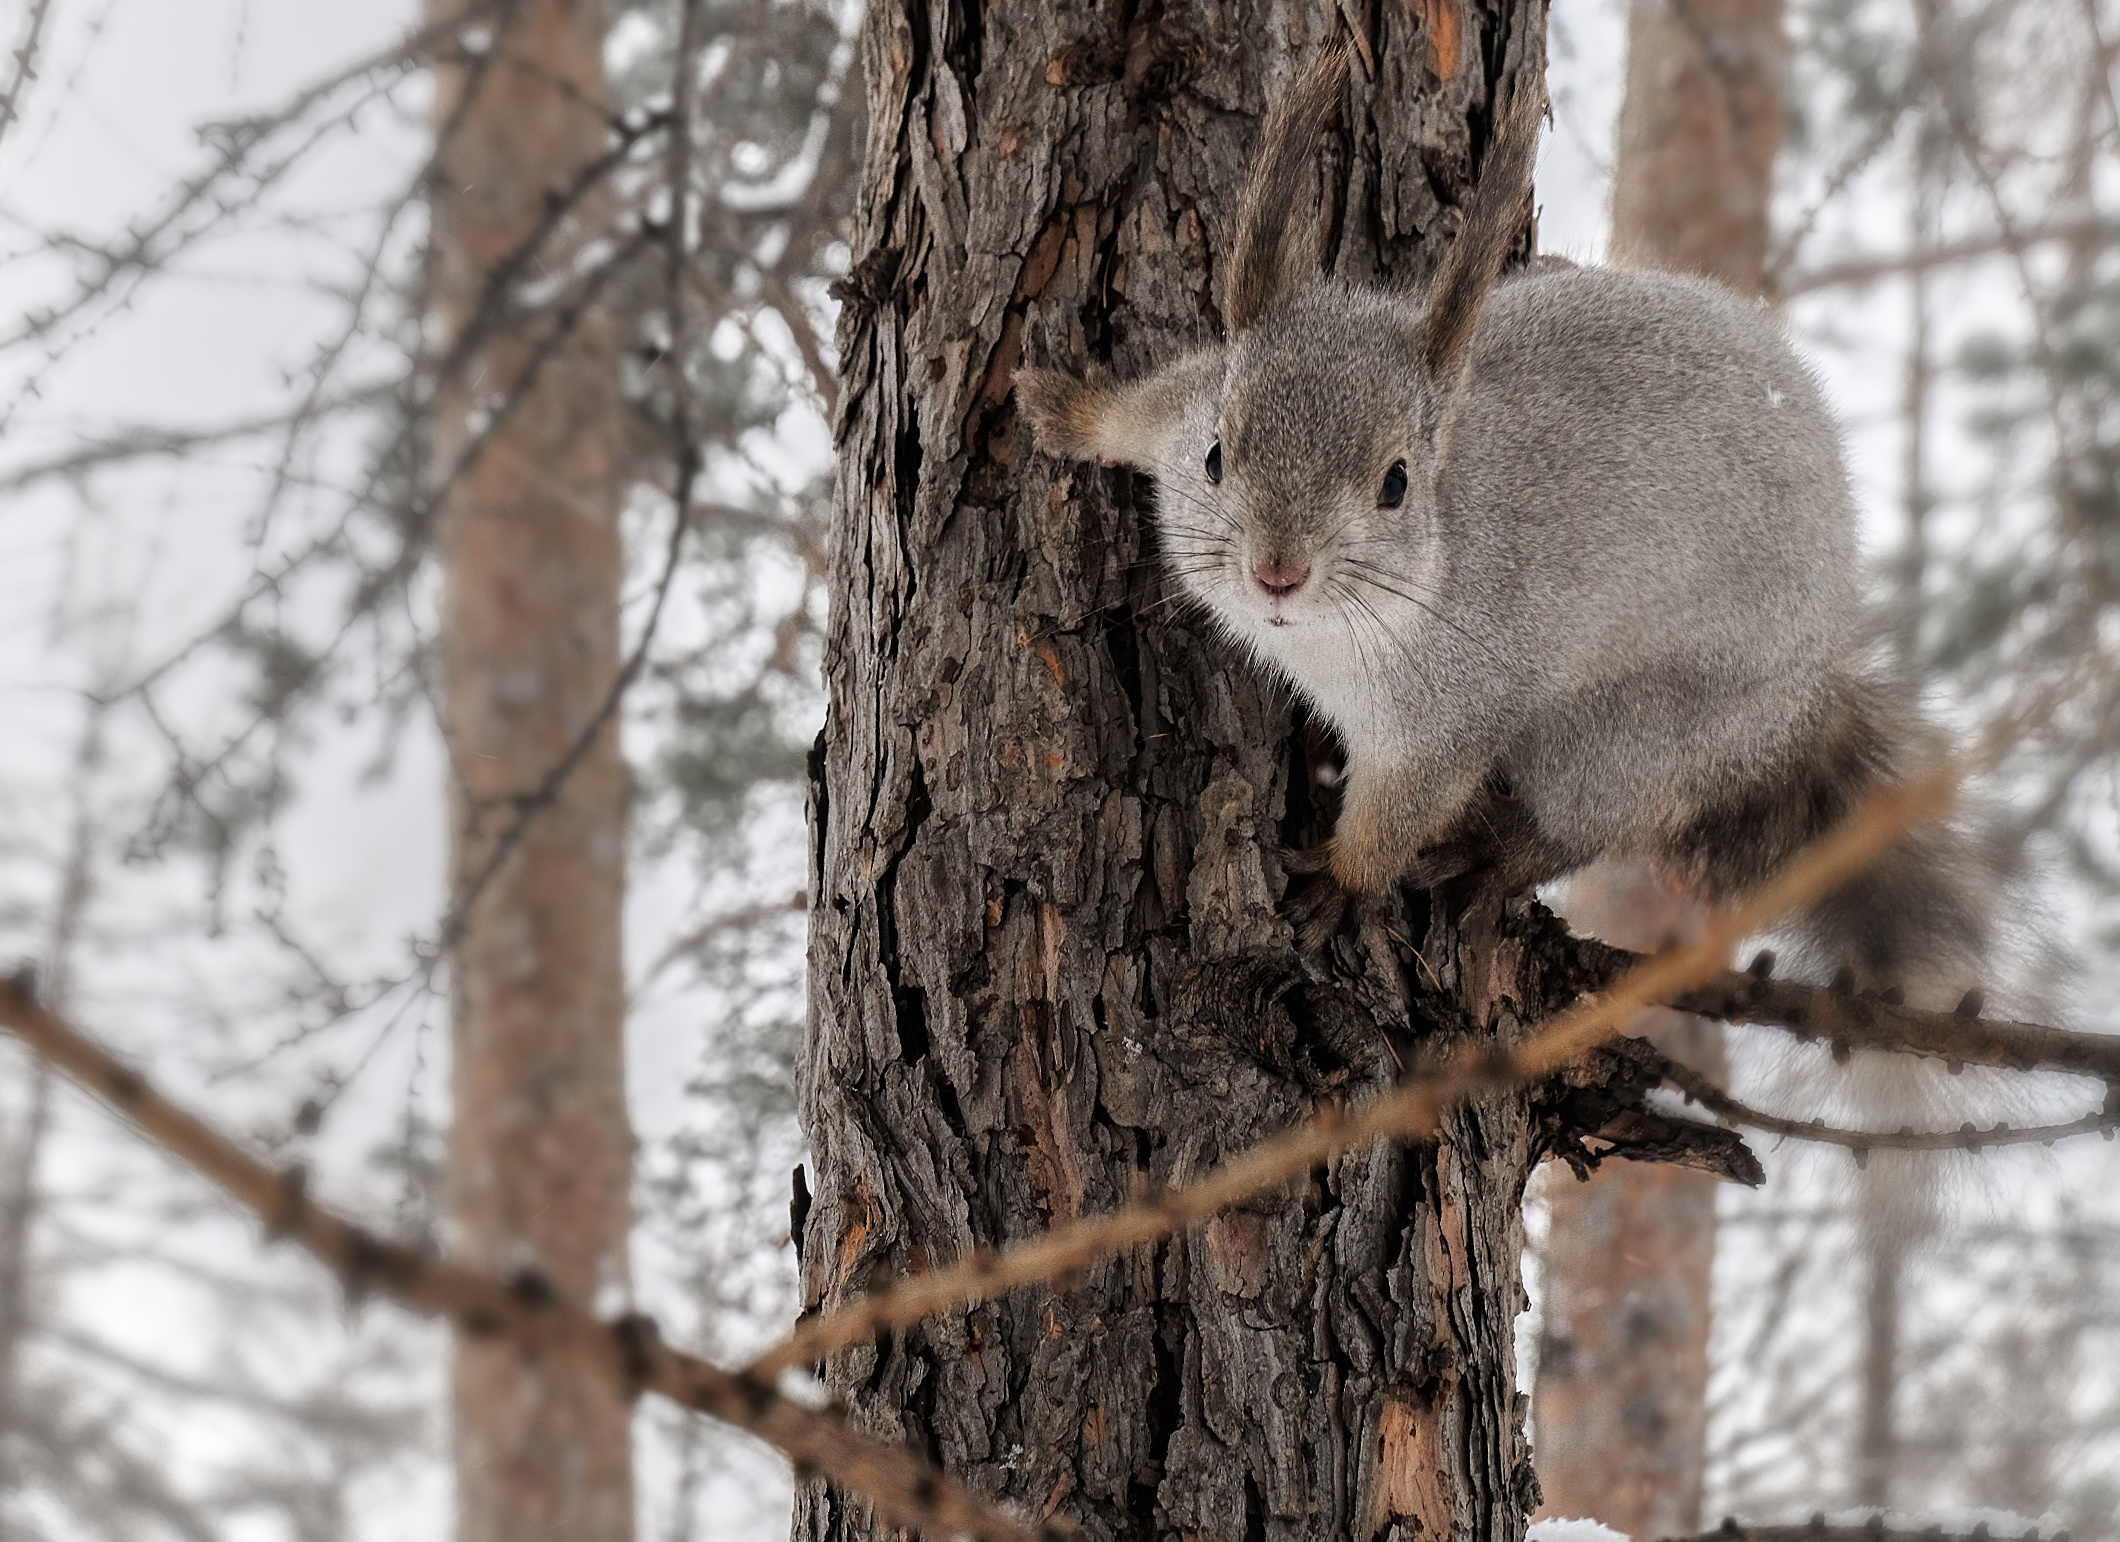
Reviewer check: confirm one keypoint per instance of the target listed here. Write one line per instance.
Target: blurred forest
(224, 810)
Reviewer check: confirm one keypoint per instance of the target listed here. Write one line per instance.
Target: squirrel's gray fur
(1618, 609)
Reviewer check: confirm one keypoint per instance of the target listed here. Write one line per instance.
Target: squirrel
(1567, 557)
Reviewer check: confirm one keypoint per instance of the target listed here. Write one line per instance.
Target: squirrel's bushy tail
(1942, 912)
(1923, 918)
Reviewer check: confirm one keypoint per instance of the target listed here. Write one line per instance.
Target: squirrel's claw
(1317, 913)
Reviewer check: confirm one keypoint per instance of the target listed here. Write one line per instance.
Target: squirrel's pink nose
(1280, 576)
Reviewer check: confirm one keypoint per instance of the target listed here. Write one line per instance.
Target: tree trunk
(540, 1154)
(1629, 1263)
(1877, 1440)
(1045, 963)
(1699, 129)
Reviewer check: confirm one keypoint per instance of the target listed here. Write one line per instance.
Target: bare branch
(1851, 165)
(565, 319)
(145, 442)
(330, 1411)
(1966, 1137)
(1408, 1112)
(628, 1352)
(239, 139)
(1854, 271)
(803, 327)
(1872, 1022)
(25, 66)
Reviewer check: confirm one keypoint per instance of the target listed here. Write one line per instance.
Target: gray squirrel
(1566, 557)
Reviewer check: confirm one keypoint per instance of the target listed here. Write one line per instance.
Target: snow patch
(1561, 1529)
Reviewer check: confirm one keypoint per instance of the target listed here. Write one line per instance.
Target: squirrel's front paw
(1325, 903)
(1317, 912)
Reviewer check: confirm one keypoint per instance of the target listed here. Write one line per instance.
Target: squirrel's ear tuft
(1067, 417)
(1118, 424)
(1277, 225)
(1494, 219)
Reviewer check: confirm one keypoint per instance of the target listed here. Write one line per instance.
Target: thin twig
(627, 1352)
(1966, 1137)
(25, 66)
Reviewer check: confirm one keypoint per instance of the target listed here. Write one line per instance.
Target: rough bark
(1628, 1268)
(540, 1153)
(1045, 962)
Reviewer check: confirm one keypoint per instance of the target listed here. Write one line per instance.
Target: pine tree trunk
(540, 1153)
(1699, 129)
(1045, 958)
(1629, 1262)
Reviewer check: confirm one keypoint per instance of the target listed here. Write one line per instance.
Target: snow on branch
(626, 1352)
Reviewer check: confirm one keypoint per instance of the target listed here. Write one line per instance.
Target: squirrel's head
(1296, 461)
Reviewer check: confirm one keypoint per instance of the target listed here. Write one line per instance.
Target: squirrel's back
(1641, 449)
(1649, 500)
(1647, 512)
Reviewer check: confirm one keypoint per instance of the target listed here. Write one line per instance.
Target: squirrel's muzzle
(1279, 577)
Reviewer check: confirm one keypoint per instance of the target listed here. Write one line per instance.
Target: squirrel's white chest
(1339, 679)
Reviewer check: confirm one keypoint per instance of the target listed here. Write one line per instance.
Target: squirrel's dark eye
(1214, 461)
(1393, 492)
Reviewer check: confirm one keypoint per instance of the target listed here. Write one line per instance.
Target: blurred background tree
(222, 812)
(1628, 1260)
(1938, 207)
(272, 686)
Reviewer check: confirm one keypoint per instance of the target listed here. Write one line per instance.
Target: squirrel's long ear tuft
(1068, 418)
(1277, 226)
(1493, 221)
